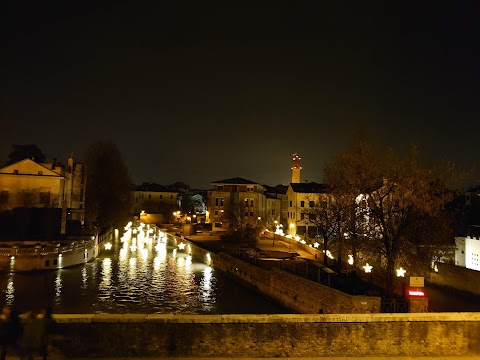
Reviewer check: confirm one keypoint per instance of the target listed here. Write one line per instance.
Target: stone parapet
(256, 336)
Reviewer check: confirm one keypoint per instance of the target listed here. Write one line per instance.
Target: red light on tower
(296, 168)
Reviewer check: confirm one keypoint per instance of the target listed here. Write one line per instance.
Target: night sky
(201, 91)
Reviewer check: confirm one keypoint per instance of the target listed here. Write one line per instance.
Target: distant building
(467, 252)
(28, 184)
(235, 197)
(301, 198)
(277, 205)
(154, 199)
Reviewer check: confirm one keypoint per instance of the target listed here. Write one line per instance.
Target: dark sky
(201, 91)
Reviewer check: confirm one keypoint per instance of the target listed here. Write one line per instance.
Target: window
(302, 216)
(47, 262)
(161, 196)
(293, 214)
(250, 188)
(220, 187)
(171, 196)
(311, 203)
(40, 172)
(290, 203)
(55, 261)
(216, 201)
(246, 202)
(3, 197)
(216, 212)
(221, 201)
(44, 198)
(323, 204)
(149, 196)
(251, 213)
(302, 203)
(15, 172)
(251, 202)
(246, 213)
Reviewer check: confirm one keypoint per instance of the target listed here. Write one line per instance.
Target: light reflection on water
(151, 278)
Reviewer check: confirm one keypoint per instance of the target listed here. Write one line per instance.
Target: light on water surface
(142, 273)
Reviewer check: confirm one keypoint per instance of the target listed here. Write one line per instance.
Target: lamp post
(274, 231)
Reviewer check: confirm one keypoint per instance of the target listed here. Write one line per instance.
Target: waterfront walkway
(440, 300)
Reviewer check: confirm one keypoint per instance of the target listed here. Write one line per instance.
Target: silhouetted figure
(48, 325)
(36, 331)
(10, 331)
(29, 341)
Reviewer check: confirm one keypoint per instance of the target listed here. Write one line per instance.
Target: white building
(467, 252)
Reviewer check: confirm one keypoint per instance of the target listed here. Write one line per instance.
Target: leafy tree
(108, 185)
(400, 204)
(187, 204)
(29, 151)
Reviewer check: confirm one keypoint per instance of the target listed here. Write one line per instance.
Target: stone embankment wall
(456, 277)
(293, 292)
(256, 336)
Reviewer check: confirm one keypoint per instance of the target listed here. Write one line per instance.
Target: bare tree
(243, 227)
(325, 216)
(397, 206)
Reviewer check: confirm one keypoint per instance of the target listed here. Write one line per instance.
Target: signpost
(417, 281)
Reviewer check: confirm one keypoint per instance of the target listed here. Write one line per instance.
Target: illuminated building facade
(156, 200)
(29, 184)
(301, 197)
(235, 197)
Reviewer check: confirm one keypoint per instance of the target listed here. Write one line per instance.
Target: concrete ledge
(273, 318)
(277, 335)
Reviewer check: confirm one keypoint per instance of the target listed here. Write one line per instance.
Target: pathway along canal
(166, 281)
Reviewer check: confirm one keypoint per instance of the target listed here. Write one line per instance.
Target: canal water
(123, 280)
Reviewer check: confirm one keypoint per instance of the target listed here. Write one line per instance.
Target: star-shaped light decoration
(368, 268)
(316, 245)
(181, 246)
(108, 246)
(350, 259)
(401, 272)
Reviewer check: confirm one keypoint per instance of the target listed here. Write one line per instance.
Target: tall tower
(296, 168)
